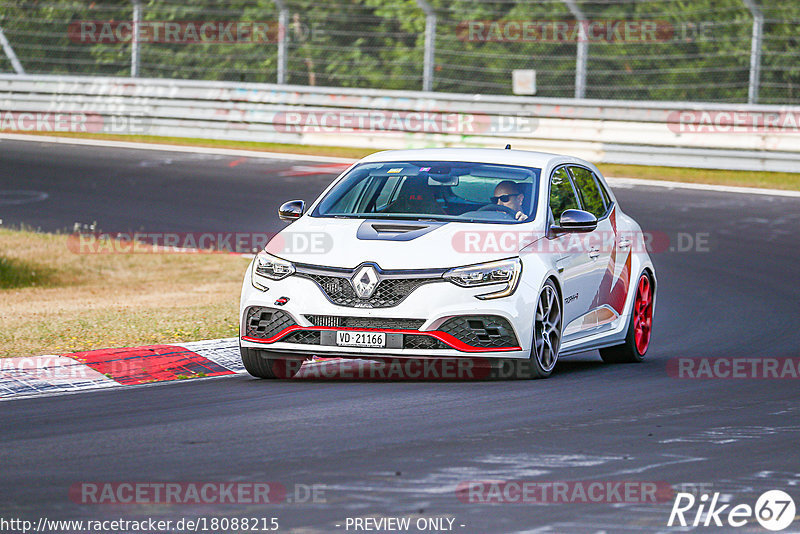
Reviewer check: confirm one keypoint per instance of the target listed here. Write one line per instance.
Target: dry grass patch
(769, 180)
(55, 301)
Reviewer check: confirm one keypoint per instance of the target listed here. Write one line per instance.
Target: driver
(509, 194)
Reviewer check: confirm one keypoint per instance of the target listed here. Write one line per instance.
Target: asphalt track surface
(399, 449)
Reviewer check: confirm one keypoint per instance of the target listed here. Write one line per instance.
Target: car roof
(480, 155)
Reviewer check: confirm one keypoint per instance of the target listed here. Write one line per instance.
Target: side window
(591, 197)
(562, 196)
(604, 191)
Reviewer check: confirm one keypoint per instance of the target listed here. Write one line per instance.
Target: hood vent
(388, 228)
(394, 230)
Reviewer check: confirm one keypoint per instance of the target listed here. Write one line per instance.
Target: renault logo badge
(365, 281)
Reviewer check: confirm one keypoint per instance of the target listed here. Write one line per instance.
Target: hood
(398, 244)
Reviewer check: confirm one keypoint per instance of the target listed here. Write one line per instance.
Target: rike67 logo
(774, 510)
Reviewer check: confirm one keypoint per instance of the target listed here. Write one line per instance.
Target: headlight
(268, 267)
(496, 272)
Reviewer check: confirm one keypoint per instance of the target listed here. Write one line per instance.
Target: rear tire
(637, 340)
(260, 366)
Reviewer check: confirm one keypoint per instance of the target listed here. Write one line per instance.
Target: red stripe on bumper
(444, 337)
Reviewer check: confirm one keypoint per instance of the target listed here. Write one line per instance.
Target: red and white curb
(107, 368)
(129, 366)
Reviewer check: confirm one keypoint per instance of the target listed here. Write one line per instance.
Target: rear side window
(591, 196)
(562, 196)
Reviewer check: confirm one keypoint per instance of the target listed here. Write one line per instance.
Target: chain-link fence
(702, 50)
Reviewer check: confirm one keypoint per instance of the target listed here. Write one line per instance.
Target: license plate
(350, 338)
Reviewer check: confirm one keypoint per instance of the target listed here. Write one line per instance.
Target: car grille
(263, 323)
(414, 341)
(389, 292)
(303, 337)
(377, 323)
(481, 331)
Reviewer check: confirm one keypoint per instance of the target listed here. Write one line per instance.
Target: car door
(599, 246)
(572, 260)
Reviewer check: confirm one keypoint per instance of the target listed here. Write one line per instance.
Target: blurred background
(734, 51)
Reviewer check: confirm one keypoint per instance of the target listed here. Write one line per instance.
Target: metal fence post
(12, 56)
(755, 51)
(283, 37)
(135, 52)
(582, 53)
(430, 45)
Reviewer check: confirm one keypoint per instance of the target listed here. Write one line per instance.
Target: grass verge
(74, 302)
(771, 180)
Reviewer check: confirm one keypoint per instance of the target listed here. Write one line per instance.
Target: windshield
(437, 190)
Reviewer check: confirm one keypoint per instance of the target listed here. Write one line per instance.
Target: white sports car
(506, 255)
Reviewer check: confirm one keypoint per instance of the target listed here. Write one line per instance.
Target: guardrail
(720, 136)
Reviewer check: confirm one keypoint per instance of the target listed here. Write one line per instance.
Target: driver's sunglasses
(503, 198)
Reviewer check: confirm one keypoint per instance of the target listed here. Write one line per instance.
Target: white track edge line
(176, 148)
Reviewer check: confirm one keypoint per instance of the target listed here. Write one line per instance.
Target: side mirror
(291, 210)
(576, 221)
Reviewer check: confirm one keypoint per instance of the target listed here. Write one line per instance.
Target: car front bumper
(436, 320)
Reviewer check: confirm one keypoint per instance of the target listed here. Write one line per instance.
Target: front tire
(257, 364)
(546, 336)
(637, 340)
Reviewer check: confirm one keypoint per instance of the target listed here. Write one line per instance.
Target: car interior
(437, 189)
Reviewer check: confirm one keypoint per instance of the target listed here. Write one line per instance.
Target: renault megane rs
(452, 253)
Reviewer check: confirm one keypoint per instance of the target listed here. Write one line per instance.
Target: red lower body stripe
(444, 337)
(154, 363)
